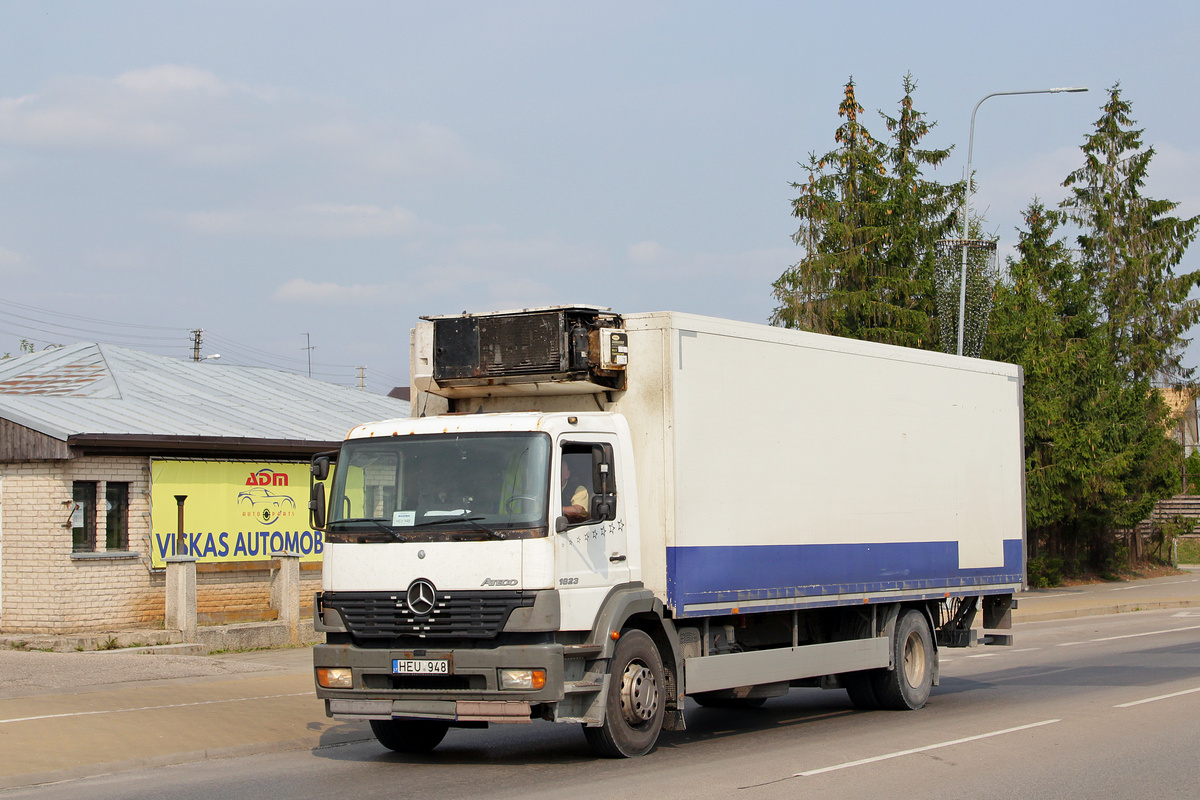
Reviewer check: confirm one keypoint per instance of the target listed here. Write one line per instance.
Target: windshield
(439, 487)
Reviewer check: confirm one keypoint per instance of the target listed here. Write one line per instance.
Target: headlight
(522, 678)
(335, 677)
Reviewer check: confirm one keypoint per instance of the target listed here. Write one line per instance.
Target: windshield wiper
(378, 524)
(492, 534)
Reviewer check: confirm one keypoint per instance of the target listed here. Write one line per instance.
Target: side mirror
(604, 484)
(316, 507)
(561, 524)
(602, 507)
(320, 467)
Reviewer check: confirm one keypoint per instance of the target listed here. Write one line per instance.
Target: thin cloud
(12, 263)
(648, 253)
(305, 292)
(193, 115)
(315, 221)
(656, 262)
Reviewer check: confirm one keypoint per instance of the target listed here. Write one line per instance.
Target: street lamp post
(966, 213)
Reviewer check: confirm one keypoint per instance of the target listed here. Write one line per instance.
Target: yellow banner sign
(232, 511)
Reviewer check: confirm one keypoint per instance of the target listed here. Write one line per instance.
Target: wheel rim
(914, 659)
(639, 693)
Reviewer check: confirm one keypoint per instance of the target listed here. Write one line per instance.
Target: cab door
(591, 552)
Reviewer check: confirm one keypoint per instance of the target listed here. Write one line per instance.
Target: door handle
(615, 557)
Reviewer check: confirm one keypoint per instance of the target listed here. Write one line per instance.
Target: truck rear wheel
(907, 686)
(634, 708)
(409, 735)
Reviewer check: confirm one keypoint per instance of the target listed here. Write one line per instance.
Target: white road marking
(985, 655)
(1146, 633)
(154, 708)
(1160, 697)
(924, 749)
(1128, 636)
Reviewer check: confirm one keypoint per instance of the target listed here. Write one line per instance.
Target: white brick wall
(46, 589)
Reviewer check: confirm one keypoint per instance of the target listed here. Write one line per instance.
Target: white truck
(590, 517)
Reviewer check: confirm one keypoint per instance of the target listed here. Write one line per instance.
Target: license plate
(420, 666)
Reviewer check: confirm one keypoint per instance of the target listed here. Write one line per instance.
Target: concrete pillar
(181, 596)
(285, 592)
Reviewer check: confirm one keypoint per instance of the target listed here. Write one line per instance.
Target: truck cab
(467, 557)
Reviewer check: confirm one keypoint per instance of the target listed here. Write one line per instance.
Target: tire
(636, 701)
(409, 735)
(861, 688)
(907, 686)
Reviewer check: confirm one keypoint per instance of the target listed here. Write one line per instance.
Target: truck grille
(386, 615)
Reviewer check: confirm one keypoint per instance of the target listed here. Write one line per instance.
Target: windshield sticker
(403, 519)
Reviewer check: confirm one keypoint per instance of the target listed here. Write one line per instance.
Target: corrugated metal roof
(104, 389)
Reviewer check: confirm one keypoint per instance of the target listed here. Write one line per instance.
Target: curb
(1099, 611)
(182, 649)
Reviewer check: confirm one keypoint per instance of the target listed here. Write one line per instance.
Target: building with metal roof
(98, 443)
(104, 396)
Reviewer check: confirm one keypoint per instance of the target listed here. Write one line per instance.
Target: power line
(55, 328)
(43, 323)
(54, 313)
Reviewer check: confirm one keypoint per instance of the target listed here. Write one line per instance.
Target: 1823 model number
(568, 581)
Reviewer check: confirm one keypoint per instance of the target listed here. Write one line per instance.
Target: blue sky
(263, 170)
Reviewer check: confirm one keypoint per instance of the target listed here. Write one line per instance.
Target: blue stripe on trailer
(735, 574)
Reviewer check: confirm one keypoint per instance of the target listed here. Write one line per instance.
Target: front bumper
(469, 693)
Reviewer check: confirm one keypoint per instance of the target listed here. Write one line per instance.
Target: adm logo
(263, 504)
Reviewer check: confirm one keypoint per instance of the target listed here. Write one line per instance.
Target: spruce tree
(918, 213)
(1097, 456)
(829, 289)
(1130, 246)
(868, 224)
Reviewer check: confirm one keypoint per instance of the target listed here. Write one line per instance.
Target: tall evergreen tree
(1091, 331)
(918, 213)
(1096, 454)
(1130, 247)
(868, 223)
(829, 289)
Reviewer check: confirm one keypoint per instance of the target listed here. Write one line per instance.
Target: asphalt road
(1105, 706)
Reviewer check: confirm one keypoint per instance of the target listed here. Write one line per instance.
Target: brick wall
(48, 589)
(45, 588)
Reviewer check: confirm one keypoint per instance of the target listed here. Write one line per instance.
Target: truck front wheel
(907, 685)
(633, 710)
(409, 735)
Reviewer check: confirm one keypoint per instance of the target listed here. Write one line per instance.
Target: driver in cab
(575, 498)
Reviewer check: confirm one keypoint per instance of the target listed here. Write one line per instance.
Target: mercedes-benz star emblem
(421, 597)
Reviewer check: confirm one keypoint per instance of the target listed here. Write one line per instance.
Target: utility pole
(309, 347)
(197, 337)
(361, 375)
